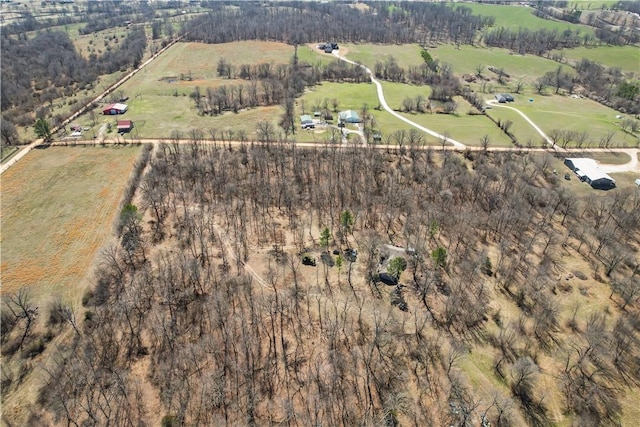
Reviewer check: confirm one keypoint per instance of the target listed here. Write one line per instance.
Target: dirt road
(384, 104)
(23, 152)
(549, 141)
(631, 166)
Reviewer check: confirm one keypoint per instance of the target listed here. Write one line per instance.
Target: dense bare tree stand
(225, 345)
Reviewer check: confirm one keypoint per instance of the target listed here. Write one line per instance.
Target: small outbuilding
(588, 171)
(125, 126)
(349, 116)
(113, 109)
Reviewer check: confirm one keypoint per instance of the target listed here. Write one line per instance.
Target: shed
(116, 108)
(349, 116)
(125, 125)
(588, 171)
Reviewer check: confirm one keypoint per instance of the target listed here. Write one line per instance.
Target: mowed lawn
(465, 59)
(460, 126)
(564, 113)
(58, 209)
(368, 54)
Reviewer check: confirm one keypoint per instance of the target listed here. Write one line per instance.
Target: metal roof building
(349, 116)
(588, 171)
(116, 108)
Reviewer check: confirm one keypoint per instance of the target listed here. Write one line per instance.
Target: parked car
(501, 99)
(508, 97)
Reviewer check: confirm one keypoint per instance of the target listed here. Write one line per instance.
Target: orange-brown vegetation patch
(58, 206)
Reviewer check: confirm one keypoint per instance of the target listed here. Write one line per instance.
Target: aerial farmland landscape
(338, 213)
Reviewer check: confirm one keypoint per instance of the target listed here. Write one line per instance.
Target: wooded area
(175, 314)
(254, 282)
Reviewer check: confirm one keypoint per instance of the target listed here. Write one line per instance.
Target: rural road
(23, 152)
(384, 104)
(631, 166)
(495, 103)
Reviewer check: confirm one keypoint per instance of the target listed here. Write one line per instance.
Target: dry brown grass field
(58, 206)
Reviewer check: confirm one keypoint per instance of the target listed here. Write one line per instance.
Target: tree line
(305, 22)
(269, 84)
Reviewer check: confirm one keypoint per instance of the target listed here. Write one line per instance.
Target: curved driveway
(549, 141)
(384, 104)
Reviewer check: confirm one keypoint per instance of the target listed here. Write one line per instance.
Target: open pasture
(98, 42)
(627, 58)
(187, 65)
(368, 54)
(465, 59)
(310, 54)
(157, 116)
(564, 113)
(461, 126)
(58, 208)
(514, 17)
(159, 101)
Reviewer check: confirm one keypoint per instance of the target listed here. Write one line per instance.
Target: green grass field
(514, 17)
(312, 55)
(58, 207)
(461, 126)
(157, 111)
(159, 106)
(465, 59)
(627, 58)
(563, 113)
(369, 54)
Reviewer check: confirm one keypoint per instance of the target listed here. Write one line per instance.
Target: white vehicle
(76, 133)
(637, 181)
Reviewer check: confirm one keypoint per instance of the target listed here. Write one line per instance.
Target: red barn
(125, 125)
(115, 109)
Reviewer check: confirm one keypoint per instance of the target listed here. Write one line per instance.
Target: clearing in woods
(58, 209)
